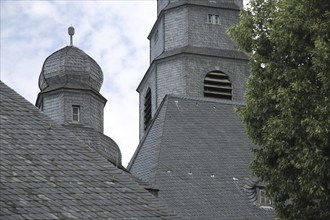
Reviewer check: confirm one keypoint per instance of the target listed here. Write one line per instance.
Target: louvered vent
(147, 109)
(217, 85)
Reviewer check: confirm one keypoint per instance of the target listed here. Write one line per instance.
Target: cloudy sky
(113, 32)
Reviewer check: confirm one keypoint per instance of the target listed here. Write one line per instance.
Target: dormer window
(76, 113)
(217, 85)
(263, 199)
(256, 193)
(147, 109)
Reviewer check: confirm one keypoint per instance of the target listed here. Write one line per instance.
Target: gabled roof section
(48, 173)
(202, 160)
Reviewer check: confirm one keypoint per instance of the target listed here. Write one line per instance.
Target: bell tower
(191, 55)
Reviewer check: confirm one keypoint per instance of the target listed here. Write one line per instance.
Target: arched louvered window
(147, 109)
(217, 85)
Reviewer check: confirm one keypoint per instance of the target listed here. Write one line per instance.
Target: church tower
(191, 55)
(193, 146)
(70, 83)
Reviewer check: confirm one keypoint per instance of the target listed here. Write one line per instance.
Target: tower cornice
(184, 3)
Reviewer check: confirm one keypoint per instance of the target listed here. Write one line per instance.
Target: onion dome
(70, 67)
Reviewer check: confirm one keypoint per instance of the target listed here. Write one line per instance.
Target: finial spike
(71, 33)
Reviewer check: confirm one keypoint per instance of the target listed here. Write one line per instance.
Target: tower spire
(71, 33)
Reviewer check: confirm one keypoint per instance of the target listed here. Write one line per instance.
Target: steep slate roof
(197, 152)
(103, 144)
(48, 173)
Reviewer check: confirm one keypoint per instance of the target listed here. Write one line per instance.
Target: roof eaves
(220, 53)
(146, 75)
(226, 54)
(68, 88)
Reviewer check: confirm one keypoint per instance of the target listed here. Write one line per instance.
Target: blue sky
(113, 33)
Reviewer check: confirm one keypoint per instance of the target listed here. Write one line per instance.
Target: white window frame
(216, 19)
(213, 19)
(209, 18)
(263, 199)
(75, 115)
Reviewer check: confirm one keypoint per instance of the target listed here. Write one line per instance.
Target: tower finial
(71, 33)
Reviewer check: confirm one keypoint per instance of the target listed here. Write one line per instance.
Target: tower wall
(207, 35)
(58, 106)
(53, 106)
(189, 40)
(176, 28)
(152, 84)
(236, 70)
(157, 40)
(171, 78)
(91, 109)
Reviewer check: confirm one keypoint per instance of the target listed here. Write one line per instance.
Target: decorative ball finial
(71, 33)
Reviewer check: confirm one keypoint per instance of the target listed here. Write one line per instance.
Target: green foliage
(287, 113)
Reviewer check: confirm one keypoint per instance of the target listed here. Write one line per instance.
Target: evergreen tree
(287, 112)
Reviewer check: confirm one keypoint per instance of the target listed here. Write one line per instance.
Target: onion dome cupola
(70, 67)
(70, 83)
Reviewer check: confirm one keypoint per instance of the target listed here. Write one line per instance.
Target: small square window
(213, 19)
(76, 113)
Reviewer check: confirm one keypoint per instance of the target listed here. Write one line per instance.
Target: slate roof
(101, 143)
(72, 66)
(48, 173)
(197, 152)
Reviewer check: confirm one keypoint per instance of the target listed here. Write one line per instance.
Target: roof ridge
(146, 133)
(158, 152)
